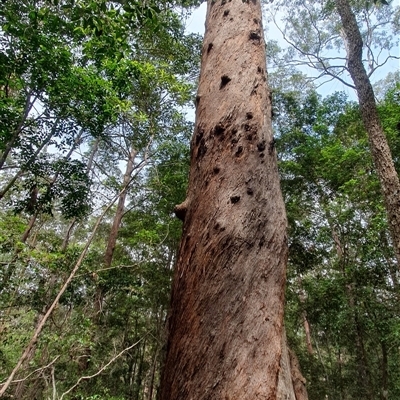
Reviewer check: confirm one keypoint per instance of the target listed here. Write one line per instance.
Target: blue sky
(195, 24)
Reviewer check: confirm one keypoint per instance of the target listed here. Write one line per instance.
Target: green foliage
(83, 84)
(342, 272)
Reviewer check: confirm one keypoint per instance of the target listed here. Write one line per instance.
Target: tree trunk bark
(299, 383)
(22, 387)
(153, 374)
(380, 150)
(226, 337)
(29, 228)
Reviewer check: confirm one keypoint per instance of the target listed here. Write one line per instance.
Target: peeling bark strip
(380, 150)
(226, 338)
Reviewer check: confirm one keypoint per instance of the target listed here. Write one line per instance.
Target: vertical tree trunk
(380, 150)
(153, 374)
(137, 388)
(307, 332)
(385, 377)
(226, 338)
(299, 383)
(29, 228)
(364, 374)
(112, 239)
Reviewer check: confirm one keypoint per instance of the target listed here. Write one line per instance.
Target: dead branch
(40, 326)
(36, 370)
(85, 378)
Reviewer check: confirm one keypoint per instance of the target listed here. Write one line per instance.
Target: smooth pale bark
(226, 336)
(380, 150)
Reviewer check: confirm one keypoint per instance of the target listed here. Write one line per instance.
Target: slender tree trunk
(364, 375)
(112, 239)
(32, 343)
(68, 235)
(340, 363)
(385, 377)
(307, 332)
(380, 150)
(137, 388)
(29, 228)
(22, 387)
(299, 383)
(305, 320)
(226, 337)
(153, 374)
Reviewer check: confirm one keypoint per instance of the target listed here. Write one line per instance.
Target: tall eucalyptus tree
(226, 334)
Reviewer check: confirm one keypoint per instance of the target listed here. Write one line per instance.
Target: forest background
(94, 99)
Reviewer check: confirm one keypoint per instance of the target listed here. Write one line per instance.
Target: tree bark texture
(226, 336)
(299, 382)
(378, 143)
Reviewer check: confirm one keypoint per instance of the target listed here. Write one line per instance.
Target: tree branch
(36, 370)
(85, 378)
(40, 326)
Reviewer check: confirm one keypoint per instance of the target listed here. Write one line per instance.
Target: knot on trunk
(181, 209)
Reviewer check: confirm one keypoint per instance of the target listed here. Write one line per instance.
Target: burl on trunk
(226, 322)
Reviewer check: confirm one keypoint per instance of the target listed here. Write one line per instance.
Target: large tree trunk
(379, 146)
(226, 337)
